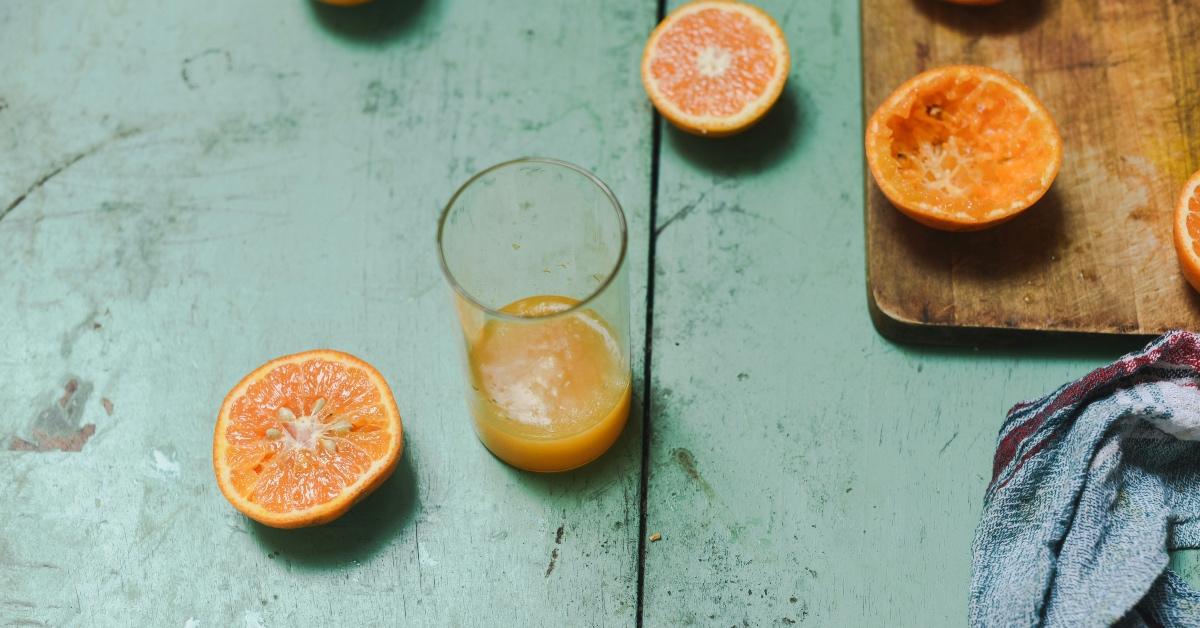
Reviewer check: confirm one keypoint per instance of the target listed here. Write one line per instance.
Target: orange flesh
(552, 394)
(713, 62)
(1193, 221)
(965, 144)
(293, 471)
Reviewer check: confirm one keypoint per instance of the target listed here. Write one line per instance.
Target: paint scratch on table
(688, 463)
(59, 168)
(558, 538)
(191, 623)
(679, 215)
(73, 335)
(57, 426)
(733, 208)
(943, 449)
(202, 69)
(417, 543)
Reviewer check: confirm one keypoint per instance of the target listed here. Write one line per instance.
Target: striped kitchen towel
(1091, 486)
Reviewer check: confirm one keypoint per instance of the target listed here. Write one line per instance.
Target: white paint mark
(165, 465)
(191, 623)
(713, 61)
(253, 620)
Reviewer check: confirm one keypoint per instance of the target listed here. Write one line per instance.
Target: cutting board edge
(899, 328)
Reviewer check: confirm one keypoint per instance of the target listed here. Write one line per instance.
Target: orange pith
(304, 437)
(714, 67)
(963, 147)
(1192, 203)
(1187, 231)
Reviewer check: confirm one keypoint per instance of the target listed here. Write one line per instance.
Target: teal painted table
(187, 189)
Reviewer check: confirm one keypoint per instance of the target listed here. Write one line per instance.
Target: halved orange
(1187, 230)
(963, 147)
(304, 437)
(715, 67)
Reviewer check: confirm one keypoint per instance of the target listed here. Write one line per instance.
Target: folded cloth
(1091, 486)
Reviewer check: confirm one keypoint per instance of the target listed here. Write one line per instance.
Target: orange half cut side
(304, 437)
(1187, 231)
(715, 67)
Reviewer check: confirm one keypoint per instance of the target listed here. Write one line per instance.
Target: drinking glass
(534, 250)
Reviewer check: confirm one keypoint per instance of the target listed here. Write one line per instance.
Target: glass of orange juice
(534, 250)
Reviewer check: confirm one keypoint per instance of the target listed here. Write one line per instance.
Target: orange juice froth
(550, 394)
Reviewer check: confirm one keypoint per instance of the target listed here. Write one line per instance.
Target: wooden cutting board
(1122, 79)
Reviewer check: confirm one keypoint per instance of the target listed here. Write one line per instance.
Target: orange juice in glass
(534, 250)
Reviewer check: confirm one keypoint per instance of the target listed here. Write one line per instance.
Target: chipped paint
(165, 465)
(56, 427)
(558, 538)
(688, 463)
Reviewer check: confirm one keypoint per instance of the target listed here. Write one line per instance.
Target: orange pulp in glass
(550, 393)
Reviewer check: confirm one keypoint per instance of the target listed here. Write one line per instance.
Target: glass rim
(610, 276)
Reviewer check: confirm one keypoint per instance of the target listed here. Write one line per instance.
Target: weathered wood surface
(196, 187)
(804, 469)
(1095, 255)
(205, 186)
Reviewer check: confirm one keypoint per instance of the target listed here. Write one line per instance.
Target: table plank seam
(643, 490)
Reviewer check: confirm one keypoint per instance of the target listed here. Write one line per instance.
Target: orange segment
(715, 67)
(1187, 231)
(304, 437)
(963, 147)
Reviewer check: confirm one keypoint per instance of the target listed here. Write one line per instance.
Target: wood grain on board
(1122, 79)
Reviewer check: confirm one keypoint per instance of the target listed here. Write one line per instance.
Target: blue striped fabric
(1092, 485)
